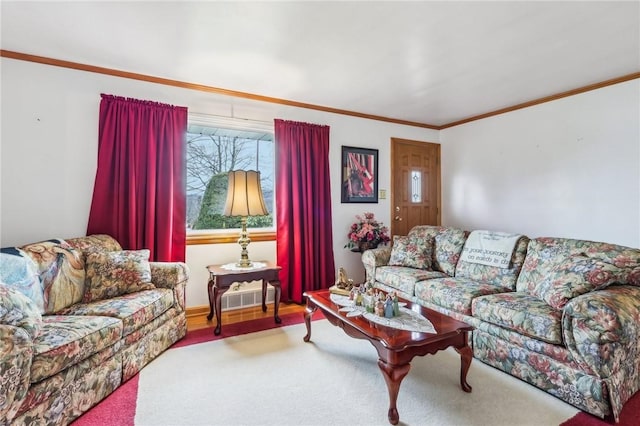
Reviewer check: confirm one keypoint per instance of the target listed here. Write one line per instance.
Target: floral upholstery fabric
(114, 273)
(147, 343)
(502, 277)
(134, 309)
(94, 243)
(82, 356)
(173, 275)
(545, 254)
(19, 271)
(455, 294)
(60, 399)
(373, 258)
(16, 352)
(412, 252)
(576, 276)
(67, 340)
(448, 244)
(574, 386)
(61, 270)
(520, 312)
(403, 278)
(18, 310)
(601, 330)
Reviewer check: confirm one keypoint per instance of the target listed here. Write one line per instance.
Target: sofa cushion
(501, 277)
(113, 273)
(413, 252)
(20, 311)
(66, 340)
(521, 312)
(545, 254)
(455, 294)
(19, 271)
(403, 278)
(577, 275)
(134, 309)
(61, 270)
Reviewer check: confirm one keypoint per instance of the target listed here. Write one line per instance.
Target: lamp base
(244, 241)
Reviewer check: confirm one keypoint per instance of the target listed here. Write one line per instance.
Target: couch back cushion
(501, 277)
(548, 257)
(61, 270)
(94, 243)
(447, 245)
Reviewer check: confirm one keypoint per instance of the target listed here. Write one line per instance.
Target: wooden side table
(221, 278)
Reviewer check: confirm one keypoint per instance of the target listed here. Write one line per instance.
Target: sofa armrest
(16, 353)
(373, 258)
(173, 275)
(601, 329)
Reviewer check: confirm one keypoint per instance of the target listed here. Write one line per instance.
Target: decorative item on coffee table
(343, 284)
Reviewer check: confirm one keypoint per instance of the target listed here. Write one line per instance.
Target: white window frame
(212, 236)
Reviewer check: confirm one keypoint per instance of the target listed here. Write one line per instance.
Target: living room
(569, 167)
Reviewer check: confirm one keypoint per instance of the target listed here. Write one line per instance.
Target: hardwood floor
(199, 320)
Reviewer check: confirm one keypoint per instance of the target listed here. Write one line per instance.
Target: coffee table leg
(466, 355)
(308, 313)
(393, 375)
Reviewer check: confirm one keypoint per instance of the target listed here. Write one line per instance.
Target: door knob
(398, 218)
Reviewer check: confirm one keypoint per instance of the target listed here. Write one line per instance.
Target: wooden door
(415, 185)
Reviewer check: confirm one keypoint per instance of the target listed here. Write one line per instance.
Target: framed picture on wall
(359, 175)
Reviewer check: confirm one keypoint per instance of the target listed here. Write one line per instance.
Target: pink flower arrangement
(367, 229)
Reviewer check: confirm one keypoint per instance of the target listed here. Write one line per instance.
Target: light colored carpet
(273, 378)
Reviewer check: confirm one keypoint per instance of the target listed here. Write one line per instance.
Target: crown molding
(192, 86)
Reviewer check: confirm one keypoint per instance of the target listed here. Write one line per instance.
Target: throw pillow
(18, 310)
(578, 275)
(114, 273)
(61, 270)
(412, 252)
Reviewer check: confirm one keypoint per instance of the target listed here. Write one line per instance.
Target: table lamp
(244, 198)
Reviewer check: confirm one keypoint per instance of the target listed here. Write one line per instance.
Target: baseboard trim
(197, 311)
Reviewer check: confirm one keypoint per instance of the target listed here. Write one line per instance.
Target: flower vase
(366, 245)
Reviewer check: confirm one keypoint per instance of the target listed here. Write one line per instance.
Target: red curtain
(303, 208)
(139, 191)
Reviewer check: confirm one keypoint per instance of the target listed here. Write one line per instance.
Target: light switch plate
(383, 194)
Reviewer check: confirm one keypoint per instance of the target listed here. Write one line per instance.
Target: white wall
(49, 147)
(567, 168)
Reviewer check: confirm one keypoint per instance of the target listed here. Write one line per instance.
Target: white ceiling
(427, 62)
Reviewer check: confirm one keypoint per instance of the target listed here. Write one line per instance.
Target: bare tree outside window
(213, 152)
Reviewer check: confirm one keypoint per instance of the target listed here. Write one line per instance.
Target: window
(214, 147)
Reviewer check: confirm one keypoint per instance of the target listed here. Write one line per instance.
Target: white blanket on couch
(490, 248)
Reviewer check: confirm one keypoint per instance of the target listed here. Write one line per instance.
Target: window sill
(231, 237)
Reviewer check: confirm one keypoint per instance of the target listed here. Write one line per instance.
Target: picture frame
(359, 175)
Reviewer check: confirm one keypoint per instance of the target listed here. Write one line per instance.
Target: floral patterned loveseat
(563, 316)
(78, 318)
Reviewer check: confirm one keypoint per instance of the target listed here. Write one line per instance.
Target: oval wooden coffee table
(396, 348)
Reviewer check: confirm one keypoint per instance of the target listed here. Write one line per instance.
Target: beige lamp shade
(244, 194)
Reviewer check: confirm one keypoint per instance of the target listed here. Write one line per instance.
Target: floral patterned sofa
(563, 316)
(78, 318)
